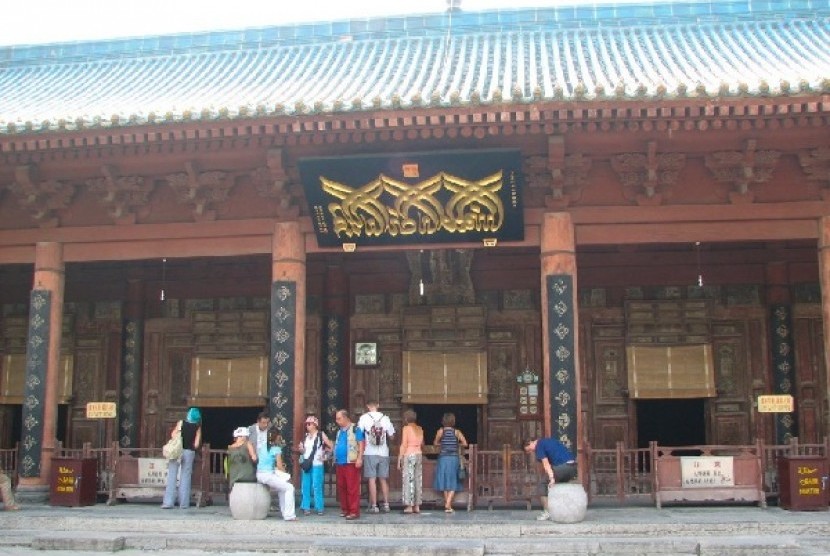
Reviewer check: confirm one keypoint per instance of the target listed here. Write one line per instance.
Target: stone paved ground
(135, 528)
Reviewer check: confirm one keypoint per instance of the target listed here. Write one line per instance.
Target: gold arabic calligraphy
(474, 205)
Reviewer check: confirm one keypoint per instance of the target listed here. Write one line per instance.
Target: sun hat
(241, 431)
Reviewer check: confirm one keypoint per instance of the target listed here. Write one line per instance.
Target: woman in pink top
(410, 464)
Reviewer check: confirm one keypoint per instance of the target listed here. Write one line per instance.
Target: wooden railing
(8, 463)
(503, 477)
(624, 474)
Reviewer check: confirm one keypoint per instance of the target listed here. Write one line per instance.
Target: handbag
(306, 464)
(462, 469)
(174, 448)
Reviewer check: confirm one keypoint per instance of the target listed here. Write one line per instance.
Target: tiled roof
(719, 48)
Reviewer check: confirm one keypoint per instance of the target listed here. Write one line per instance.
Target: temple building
(607, 223)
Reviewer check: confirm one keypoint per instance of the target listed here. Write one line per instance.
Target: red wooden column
(824, 280)
(36, 460)
(288, 321)
(560, 325)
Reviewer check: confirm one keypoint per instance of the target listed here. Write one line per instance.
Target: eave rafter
(478, 122)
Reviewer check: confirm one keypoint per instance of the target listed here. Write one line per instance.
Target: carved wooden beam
(743, 169)
(123, 196)
(42, 199)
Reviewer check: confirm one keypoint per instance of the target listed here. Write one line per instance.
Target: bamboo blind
(438, 377)
(229, 382)
(686, 371)
(13, 378)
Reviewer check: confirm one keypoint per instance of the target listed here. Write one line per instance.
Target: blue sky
(44, 21)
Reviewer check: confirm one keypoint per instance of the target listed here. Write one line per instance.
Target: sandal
(449, 511)
(12, 508)
(408, 511)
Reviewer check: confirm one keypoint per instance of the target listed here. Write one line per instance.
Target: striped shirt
(449, 442)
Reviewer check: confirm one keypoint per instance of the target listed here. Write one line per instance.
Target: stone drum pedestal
(249, 501)
(567, 502)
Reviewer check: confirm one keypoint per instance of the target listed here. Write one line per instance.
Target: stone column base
(31, 494)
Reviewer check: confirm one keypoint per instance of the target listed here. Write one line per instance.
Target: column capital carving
(648, 178)
(123, 196)
(271, 182)
(43, 199)
(816, 165)
(202, 190)
(742, 169)
(563, 176)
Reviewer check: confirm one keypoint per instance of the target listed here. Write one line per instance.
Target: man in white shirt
(378, 430)
(258, 432)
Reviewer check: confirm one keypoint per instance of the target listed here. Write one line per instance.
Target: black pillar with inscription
(562, 349)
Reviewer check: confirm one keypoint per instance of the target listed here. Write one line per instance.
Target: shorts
(564, 473)
(375, 467)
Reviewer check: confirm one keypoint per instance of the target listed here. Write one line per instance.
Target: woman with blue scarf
(191, 431)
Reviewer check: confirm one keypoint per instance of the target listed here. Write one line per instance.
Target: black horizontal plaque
(431, 197)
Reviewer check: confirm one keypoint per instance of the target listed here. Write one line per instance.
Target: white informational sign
(152, 472)
(100, 410)
(706, 472)
(780, 403)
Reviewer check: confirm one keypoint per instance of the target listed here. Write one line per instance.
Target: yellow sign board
(100, 410)
(780, 403)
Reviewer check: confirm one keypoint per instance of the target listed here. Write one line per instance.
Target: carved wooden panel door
(811, 379)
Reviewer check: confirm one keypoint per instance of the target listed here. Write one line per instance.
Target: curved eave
(638, 62)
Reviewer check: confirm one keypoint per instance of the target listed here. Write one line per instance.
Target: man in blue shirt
(558, 462)
(348, 460)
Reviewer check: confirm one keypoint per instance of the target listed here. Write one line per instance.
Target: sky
(45, 21)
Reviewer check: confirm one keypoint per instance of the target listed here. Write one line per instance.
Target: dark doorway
(466, 420)
(218, 423)
(671, 422)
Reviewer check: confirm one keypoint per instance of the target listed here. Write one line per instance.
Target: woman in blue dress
(446, 480)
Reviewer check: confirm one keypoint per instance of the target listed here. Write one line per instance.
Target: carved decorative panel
(502, 373)
(500, 433)
(730, 367)
(87, 377)
(732, 429)
(610, 370)
(611, 432)
(178, 367)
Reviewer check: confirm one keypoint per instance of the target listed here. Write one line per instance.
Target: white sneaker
(544, 516)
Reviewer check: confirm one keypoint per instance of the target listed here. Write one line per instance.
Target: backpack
(376, 435)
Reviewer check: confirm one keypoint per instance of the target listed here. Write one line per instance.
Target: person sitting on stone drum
(557, 461)
(241, 458)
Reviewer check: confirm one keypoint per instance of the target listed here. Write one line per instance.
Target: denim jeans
(186, 465)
